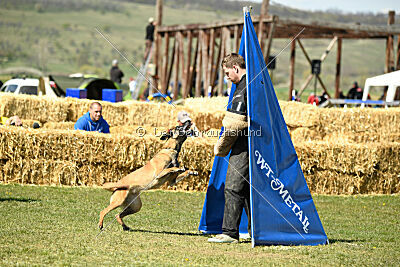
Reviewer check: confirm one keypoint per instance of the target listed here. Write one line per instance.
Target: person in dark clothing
(149, 37)
(355, 92)
(115, 73)
(237, 187)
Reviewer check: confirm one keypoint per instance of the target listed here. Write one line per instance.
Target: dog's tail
(115, 186)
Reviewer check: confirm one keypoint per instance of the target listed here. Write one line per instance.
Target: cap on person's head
(115, 62)
(151, 19)
(183, 116)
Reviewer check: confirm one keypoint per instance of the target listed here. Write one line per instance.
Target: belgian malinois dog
(162, 168)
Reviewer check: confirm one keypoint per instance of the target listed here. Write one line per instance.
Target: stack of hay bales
(341, 151)
(62, 157)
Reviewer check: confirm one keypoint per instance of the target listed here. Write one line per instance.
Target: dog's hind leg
(132, 204)
(117, 199)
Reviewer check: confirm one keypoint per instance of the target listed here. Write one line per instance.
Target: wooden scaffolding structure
(191, 54)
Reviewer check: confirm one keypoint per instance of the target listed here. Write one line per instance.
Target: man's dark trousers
(237, 188)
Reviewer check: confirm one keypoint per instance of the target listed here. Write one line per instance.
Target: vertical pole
(236, 38)
(221, 71)
(188, 62)
(270, 35)
(292, 61)
(182, 63)
(338, 61)
(171, 66)
(198, 66)
(211, 61)
(398, 53)
(389, 45)
(263, 14)
(218, 62)
(176, 67)
(164, 76)
(204, 58)
(157, 61)
(193, 68)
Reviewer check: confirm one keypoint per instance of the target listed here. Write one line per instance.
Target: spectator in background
(132, 86)
(92, 121)
(149, 37)
(323, 98)
(14, 120)
(355, 92)
(115, 73)
(313, 99)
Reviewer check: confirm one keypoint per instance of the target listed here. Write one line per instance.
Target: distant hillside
(235, 7)
(59, 36)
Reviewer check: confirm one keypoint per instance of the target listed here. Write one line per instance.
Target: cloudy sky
(352, 6)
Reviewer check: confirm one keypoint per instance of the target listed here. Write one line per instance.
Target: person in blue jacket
(92, 121)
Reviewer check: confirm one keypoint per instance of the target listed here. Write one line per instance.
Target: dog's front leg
(182, 176)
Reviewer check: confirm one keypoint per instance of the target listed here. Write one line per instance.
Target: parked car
(27, 86)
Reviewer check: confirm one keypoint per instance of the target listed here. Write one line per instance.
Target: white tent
(392, 80)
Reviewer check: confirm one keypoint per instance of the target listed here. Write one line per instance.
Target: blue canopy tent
(282, 209)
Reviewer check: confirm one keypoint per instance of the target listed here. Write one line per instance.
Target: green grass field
(58, 226)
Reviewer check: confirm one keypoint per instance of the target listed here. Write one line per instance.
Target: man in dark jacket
(149, 37)
(355, 92)
(92, 121)
(237, 187)
(115, 73)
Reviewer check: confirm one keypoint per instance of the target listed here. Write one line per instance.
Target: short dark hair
(233, 59)
(95, 103)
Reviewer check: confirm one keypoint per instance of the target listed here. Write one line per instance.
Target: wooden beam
(204, 58)
(157, 57)
(198, 65)
(182, 63)
(217, 66)
(269, 45)
(328, 49)
(176, 68)
(188, 84)
(211, 61)
(338, 61)
(263, 13)
(304, 51)
(389, 63)
(398, 53)
(197, 27)
(292, 64)
(221, 71)
(193, 68)
(323, 85)
(228, 48)
(164, 76)
(236, 38)
(171, 66)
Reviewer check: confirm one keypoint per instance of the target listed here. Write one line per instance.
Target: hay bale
(114, 113)
(40, 108)
(68, 125)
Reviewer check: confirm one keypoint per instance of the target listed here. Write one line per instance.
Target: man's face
(95, 112)
(232, 74)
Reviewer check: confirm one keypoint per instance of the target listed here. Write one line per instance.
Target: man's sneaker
(223, 238)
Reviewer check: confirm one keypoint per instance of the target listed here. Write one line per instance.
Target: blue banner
(282, 209)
